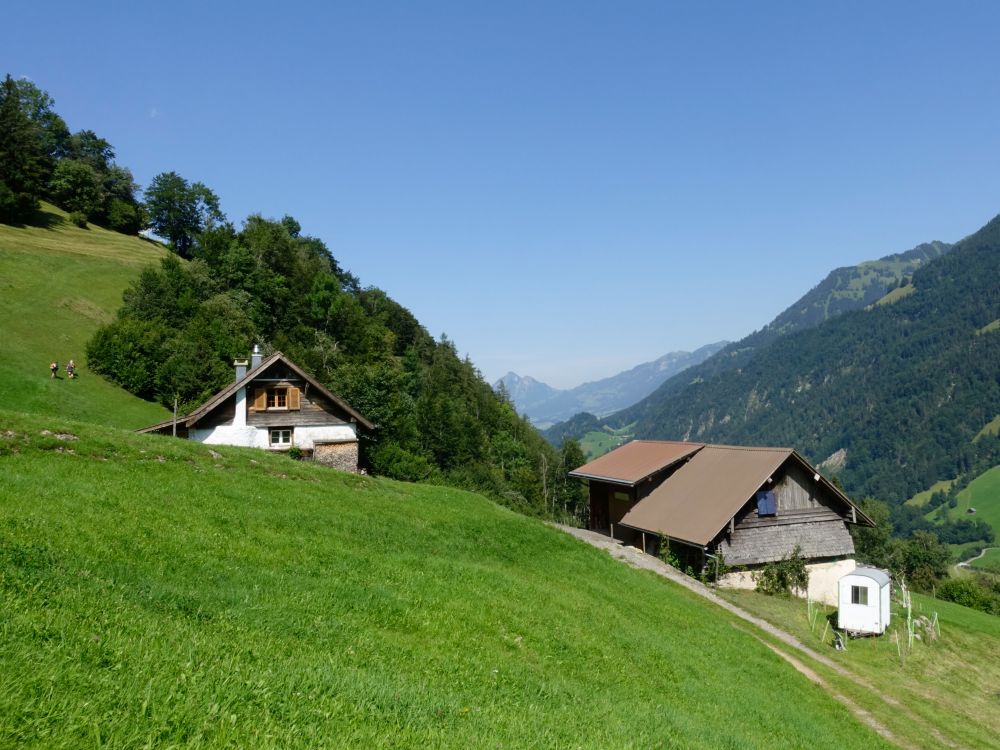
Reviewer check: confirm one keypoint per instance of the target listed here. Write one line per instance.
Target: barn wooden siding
(804, 519)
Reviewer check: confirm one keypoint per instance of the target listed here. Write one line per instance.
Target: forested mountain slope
(843, 290)
(902, 388)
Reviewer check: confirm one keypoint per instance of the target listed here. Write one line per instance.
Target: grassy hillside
(942, 693)
(598, 442)
(57, 284)
(159, 593)
(983, 494)
(989, 562)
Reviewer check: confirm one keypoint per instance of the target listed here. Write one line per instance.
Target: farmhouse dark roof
(191, 419)
(633, 462)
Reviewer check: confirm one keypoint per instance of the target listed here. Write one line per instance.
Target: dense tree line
(920, 559)
(227, 288)
(182, 324)
(41, 159)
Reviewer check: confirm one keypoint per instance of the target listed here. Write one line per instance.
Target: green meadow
(57, 284)
(982, 494)
(159, 593)
(598, 442)
(941, 693)
(989, 562)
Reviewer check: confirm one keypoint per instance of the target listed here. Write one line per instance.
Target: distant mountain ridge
(896, 391)
(842, 290)
(545, 405)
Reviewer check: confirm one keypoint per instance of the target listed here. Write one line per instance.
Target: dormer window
(277, 398)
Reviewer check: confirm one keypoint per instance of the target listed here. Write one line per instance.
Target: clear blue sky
(564, 189)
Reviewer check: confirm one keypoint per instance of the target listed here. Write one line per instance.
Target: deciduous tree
(179, 211)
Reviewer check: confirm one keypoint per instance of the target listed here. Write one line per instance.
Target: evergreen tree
(20, 157)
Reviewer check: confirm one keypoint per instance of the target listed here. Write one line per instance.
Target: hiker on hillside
(54, 368)
(70, 369)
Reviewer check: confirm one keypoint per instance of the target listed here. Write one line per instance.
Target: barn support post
(716, 558)
(644, 542)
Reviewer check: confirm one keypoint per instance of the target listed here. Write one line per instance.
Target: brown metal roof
(635, 461)
(698, 500)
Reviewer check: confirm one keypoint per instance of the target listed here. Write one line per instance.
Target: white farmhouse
(275, 405)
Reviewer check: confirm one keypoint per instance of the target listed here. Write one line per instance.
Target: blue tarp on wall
(767, 504)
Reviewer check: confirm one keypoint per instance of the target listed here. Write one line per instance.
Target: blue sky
(564, 189)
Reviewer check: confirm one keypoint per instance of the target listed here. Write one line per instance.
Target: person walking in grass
(71, 369)
(54, 368)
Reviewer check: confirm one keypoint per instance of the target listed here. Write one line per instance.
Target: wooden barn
(749, 505)
(275, 405)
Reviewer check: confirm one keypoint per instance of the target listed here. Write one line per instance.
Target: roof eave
(609, 480)
(699, 545)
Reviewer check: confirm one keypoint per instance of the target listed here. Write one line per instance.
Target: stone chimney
(241, 369)
(256, 358)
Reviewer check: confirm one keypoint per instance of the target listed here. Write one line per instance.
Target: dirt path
(637, 559)
(965, 563)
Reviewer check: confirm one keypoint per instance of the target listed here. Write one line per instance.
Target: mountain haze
(901, 388)
(842, 290)
(545, 405)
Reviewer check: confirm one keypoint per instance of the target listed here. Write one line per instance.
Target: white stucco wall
(258, 437)
(824, 580)
(243, 436)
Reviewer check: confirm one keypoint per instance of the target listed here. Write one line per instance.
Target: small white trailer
(864, 601)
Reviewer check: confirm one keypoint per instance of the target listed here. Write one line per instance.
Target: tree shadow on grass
(43, 219)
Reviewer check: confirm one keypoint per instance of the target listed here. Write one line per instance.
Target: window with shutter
(293, 398)
(260, 399)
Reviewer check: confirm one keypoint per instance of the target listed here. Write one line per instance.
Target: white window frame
(273, 393)
(859, 595)
(280, 430)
